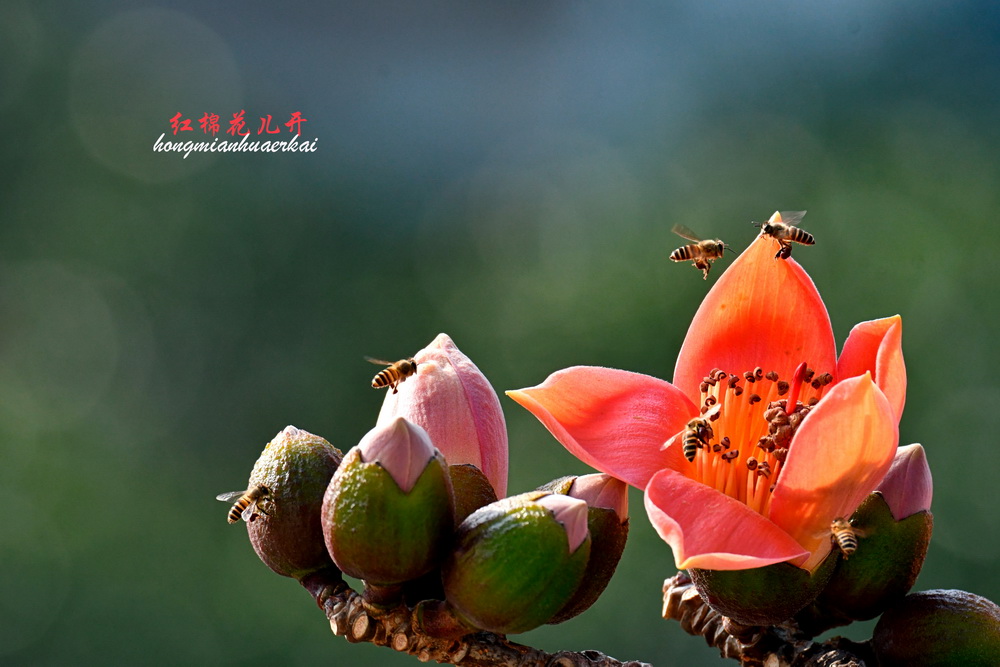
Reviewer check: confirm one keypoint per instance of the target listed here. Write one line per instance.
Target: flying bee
(393, 373)
(697, 434)
(843, 536)
(701, 253)
(782, 228)
(247, 503)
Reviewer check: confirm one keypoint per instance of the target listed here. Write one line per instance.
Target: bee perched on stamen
(393, 373)
(699, 432)
(782, 227)
(701, 253)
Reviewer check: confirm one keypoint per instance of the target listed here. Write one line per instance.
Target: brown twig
(776, 646)
(356, 620)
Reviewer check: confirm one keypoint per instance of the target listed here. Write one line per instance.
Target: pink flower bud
(454, 402)
(571, 513)
(907, 487)
(601, 490)
(403, 449)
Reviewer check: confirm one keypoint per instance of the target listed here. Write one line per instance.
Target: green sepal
(608, 535)
(296, 467)
(376, 532)
(472, 490)
(762, 595)
(559, 485)
(511, 568)
(939, 628)
(884, 568)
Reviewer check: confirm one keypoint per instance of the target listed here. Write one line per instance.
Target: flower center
(740, 442)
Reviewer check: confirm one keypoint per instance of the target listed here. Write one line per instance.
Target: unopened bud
(293, 470)
(907, 486)
(607, 521)
(455, 403)
(471, 490)
(517, 561)
(388, 513)
(939, 628)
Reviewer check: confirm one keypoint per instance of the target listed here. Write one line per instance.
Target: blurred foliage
(507, 173)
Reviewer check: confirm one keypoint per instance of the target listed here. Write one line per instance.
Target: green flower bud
(284, 525)
(881, 571)
(607, 522)
(937, 629)
(472, 490)
(517, 561)
(388, 512)
(763, 595)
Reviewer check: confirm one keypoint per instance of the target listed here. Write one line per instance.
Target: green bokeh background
(507, 173)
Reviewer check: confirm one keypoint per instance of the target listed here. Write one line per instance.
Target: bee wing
(230, 497)
(685, 233)
(712, 411)
(378, 362)
(249, 512)
(792, 217)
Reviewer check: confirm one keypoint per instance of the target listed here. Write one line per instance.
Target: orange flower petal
(840, 453)
(707, 529)
(762, 312)
(877, 346)
(612, 420)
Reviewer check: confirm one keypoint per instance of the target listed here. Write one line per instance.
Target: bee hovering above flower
(782, 228)
(393, 374)
(701, 253)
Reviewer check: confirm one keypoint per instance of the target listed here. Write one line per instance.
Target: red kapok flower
(769, 436)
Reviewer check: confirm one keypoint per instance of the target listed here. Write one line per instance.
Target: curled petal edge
(876, 346)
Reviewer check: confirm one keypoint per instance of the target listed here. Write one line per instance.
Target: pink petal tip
(602, 490)
(571, 513)
(908, 487)
(401, 447)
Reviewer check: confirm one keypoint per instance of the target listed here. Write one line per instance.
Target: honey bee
(782, 228)
(697, 434)
(701, 253)
(393, 374)
(843, 536)
(247, 503)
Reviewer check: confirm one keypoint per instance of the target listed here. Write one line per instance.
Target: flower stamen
(754, 412)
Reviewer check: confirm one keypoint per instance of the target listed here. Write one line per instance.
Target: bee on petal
(782, 227)
(701, 253)
(393, 373)
(247, 503)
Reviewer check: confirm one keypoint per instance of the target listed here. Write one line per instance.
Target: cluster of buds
(417, 511)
